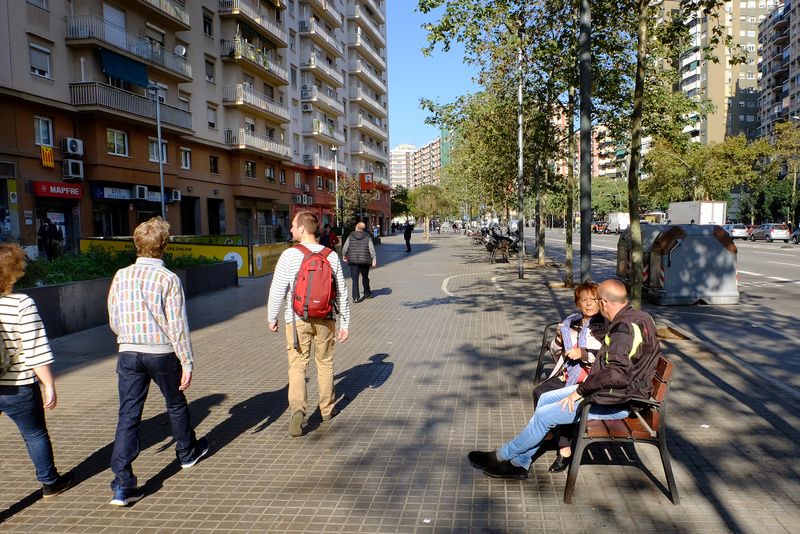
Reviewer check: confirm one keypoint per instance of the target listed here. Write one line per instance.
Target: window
(183, 102)
(213, 164)
(212, 117)
(250, 169)
(162, 91)
(186, 158)
(152, 145)
(208, 24)
(292, 38)
(209, 71)
(297, 182)
(269, 173)
(40, 60)
(43, 131)
(282, 177)
(319, 183)
(117, 142)
(250, 125)
(38, 3)
(330, 185)
(294, 76)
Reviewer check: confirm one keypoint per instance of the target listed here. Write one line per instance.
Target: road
(760, 333)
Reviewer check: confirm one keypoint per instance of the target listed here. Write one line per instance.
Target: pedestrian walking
(25, 359)
(147, 311)
(359, 253)
(407, 229)
(49, 238)
(303, 330)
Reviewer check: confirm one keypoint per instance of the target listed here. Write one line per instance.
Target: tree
(400, 202)
(354, 201)
(787, 151)
(427, 202)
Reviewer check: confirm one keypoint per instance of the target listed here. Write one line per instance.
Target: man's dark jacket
(623, 369)
(407, 232)
(358, 249)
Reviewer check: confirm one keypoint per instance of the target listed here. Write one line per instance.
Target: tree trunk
(636, 150)
(569, 280)
(540, 226)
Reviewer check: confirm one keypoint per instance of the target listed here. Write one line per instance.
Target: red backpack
(314, 289)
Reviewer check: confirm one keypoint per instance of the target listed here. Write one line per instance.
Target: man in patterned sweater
(147, 311)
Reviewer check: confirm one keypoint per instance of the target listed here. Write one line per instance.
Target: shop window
(43, 131)
(40, 60)
(117, 142)
(250, 169)
(186, 158)
(152, 146)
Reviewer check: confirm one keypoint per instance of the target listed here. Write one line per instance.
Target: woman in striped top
(21, 399)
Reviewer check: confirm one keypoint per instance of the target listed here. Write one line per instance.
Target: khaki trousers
(321, 332)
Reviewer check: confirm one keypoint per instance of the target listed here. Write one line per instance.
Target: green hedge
(96, 263)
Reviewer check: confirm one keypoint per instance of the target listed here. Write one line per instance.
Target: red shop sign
(57, 189)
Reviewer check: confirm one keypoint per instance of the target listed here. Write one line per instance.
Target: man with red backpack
(309, 279)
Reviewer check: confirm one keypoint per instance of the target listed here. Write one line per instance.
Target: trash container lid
(668, 239)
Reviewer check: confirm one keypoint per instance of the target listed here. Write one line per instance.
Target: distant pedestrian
(147, 311)
(407, 230)
(328, 238)
(25, 372)
(359, 253)
(50, 238)
(301, 333)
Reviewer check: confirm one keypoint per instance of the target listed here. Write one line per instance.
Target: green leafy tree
(399, 205)
(787, 152)
(427, 202)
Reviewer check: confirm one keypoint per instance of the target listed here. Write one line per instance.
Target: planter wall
(69, 308)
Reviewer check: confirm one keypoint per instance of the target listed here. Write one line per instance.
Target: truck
(697, 212)
(618, 221)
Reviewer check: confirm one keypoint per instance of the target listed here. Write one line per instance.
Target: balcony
(379, 175)
(260, 20)
(329, 103)
(169, 14)
(328, 11)
(244, 139)
(368, 50)
(322, 162)
(363, 98)
(91, 29)
(359, 14)
(361, 69)
(377, 7)
(318, 34)
(241, 94)
(321, 69)
(97, 96)
(363, 123)
(326, 132)
(241, 50)
(363, 149)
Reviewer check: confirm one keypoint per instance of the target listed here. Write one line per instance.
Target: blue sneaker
(201, 449)
(124, 497)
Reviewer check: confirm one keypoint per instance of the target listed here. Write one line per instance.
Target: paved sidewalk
(439, 363)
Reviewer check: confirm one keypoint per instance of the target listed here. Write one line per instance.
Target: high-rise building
(426, 164)
(262, 104)
(780, 85)
(400, 169)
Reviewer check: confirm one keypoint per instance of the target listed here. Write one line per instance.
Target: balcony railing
(376, 7)
(313, 93)
(238, 49)
(255, 14)
(355, 11)
(371, 150)
(312, 26)
(311, 61)
(244, 94)
(172, 9)
(103, 95)
(94, 27)
(376, 129)
(356, 65)
(243, 138)
(359, 93)
(376, 56)
(329, 10)
(321, 161)
(318, 127)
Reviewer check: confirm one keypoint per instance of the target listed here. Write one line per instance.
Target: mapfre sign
(57, 189)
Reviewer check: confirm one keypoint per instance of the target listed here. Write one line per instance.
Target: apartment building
(426, 163)
(262, 106)
(400, 165)
(733, 89)
(778, 38)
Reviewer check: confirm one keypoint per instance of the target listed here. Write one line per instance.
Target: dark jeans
(355, 271)
(408, 244)
(23, 404)
(134, 371)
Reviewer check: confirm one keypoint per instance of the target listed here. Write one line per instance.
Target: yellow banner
(266, 256)
(47, 157)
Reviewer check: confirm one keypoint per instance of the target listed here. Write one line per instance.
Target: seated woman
(583, 332)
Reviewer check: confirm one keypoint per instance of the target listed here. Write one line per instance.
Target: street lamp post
(159, 152)
(335, 150)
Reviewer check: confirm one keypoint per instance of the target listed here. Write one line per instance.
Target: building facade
(426, 164)
(779, 39)
(400, 165)
(262, 106)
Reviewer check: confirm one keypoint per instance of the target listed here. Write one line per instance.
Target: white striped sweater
(286, 269)
(23, 333)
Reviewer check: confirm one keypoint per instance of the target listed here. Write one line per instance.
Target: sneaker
(482, 460)
(331, 415)
(201, 448)
(506, 469)
(124, 497)
(296, 424)
(62, 484)
(368, 296)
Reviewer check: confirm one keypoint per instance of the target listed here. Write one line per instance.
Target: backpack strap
(306, 253)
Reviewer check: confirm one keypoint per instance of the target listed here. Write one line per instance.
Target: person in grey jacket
(359, 253)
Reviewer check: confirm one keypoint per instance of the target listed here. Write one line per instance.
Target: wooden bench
(546, 336)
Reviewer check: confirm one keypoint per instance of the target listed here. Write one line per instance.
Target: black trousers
(408, 244)
(355, 272)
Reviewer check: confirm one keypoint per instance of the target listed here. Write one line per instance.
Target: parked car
(600, 227)
(796, 236)
(736, 231)
(771, 232)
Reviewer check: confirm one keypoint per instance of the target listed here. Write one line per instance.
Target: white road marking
(606, 248)
(496, 286)
(750, 273)
(781, 263)
(447, 280)
(779, 279)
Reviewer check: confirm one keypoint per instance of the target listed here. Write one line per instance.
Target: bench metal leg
(665, 462)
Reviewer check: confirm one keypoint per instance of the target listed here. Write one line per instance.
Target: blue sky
(440, 77)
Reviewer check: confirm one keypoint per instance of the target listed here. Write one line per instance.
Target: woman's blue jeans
(521, 450)
(23, 404)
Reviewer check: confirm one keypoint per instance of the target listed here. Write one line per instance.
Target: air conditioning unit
(308, 107)
(71, 146)
(175, 196)
(306, 157)
(309, 200)
(139, 192)
(306, 188)
(297, 199)
(306, 88)
(72, 170)
(304, 199)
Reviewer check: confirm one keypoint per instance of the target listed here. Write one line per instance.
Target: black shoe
(368, 295)
(62, 484)
(200, 450)
(481, 460)
(560, 464)
(359, 299)
(506, 469)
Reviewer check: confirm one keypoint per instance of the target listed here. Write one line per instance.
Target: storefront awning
(118, 66)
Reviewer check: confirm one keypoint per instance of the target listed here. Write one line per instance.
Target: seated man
(622, 372)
